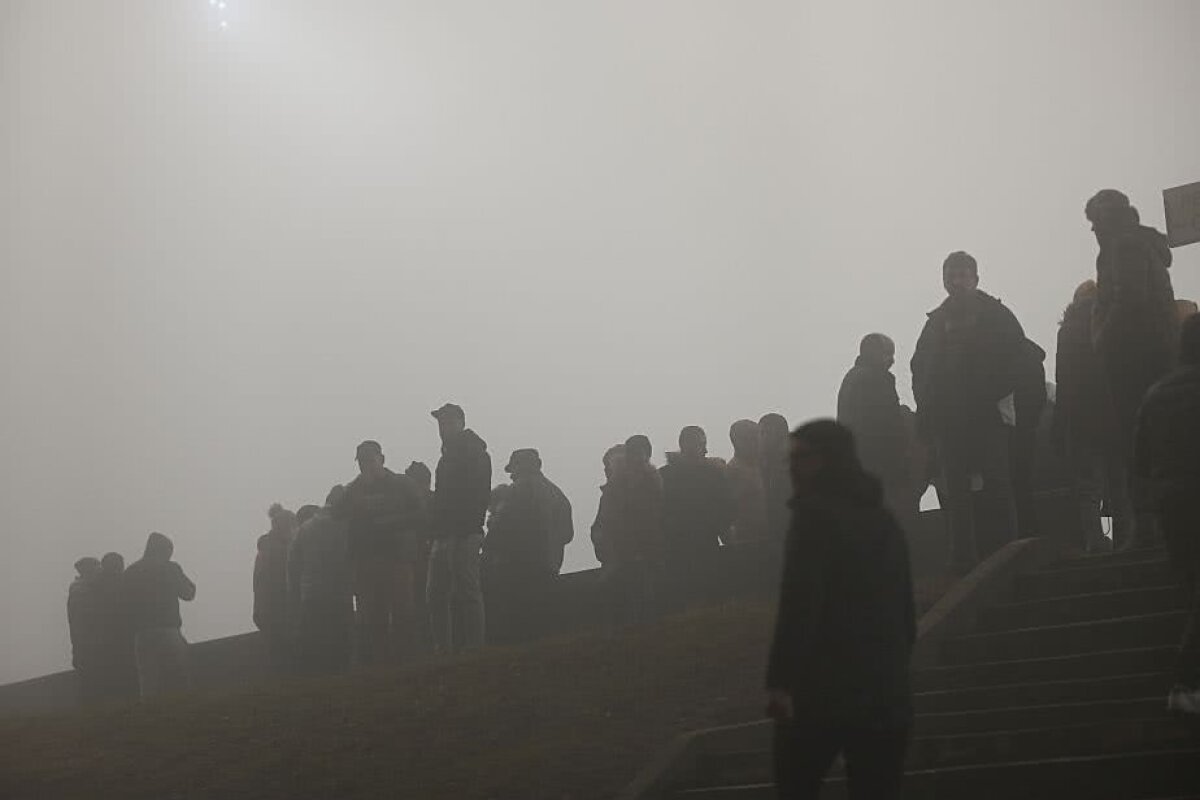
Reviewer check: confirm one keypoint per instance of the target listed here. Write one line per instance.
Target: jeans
(162, 661)
(383, 588)
(973, 535)
(874, 754)
(454, 593)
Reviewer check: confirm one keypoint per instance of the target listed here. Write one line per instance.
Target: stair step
(1133, 776)
(939, 752)
(1122, 687)
(1082, 608)
(1107, 559)
(948, 723)
(1094, 579)
(1149, 630)
(1041, 670)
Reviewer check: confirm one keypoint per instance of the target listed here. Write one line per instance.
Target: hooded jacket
(964, 364)
(463, 487)
(628, 524)
(1135, 302)
(698, 503)
(847, 622)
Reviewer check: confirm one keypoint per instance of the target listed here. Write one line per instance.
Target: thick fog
(228, 255)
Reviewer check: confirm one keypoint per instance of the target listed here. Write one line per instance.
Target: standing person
(1134, 321)
(270, 587)
(964, 373)
(1167, 473)
(320, 588)
(746, 480)
(1029, 401)
(777, 483)
(1083, 426)
(119, 671)
(630, 527)
(870, 407)
(422, 478)
(85, 623)
(838, 676)
(153, 586)
(383, 513)
(523, 550)
(602, 526)
(462, 488)
(698, 509)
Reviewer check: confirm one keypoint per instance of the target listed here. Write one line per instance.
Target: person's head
(613, 457)
(369, 455)
(451, 420)
(638, 449)
(336, 494)
(306, 512)
(87, 567)
(113, 563)
(960, 274)
(418, 472)
(773, 431)
(877, 350)
(1184, 309)
(282, 520)
(524, 463)
(693, 443)
(1189, 341)
(1110, 212)
(823, 458)
(158, 548)
(745, 438)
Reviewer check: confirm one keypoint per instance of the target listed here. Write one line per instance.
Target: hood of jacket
(987, 299)
(675, 458)
(1156, 242)
(467, 443)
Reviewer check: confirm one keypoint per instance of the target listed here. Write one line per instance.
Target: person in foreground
(1166, 458)
(838, 674)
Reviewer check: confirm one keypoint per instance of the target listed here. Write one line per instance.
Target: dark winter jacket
(869, 406)
(319, 564)
(698, 505)
(1135, 303)
(463, 487)
(270, 581)
(531, 526)
(1167, 441)
(966, 361)
(153, 590)
(1083, 424)
(628, 524)
(85, 620)
(1029, 396)
(384, 516)
(846, 623)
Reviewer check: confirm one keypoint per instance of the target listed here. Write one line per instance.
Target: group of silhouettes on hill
(392, 562)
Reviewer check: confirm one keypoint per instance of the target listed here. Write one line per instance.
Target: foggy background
(227, 256)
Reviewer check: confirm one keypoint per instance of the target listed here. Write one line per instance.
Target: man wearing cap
(524, 550)
(964, 373)
(1134, 321)
(462, 489)
(383, 514)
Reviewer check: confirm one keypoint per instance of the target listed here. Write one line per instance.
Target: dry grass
(574, 717)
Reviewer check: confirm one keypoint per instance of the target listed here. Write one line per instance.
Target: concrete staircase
(1059, 691)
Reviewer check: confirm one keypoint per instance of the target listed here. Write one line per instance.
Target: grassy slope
(573, 717)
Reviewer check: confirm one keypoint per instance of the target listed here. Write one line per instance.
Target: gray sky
(226, 256)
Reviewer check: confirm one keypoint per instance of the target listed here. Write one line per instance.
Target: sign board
(1183, 214)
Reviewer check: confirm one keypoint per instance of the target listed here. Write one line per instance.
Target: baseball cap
(449, 410)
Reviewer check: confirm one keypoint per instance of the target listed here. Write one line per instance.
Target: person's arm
(184, 587)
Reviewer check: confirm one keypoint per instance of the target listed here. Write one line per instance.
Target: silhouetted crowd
(393, 565)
